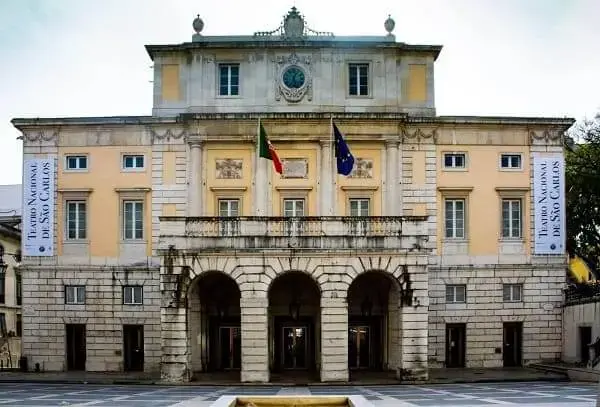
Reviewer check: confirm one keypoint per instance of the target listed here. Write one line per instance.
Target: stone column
(334, 338)
(255, 334)
(175, 359)
(414, 343)
(326, 190)
(390, 197)
(195, 189)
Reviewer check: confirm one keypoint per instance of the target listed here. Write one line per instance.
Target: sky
(86, 58)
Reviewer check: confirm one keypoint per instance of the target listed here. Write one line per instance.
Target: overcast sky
(86, 58)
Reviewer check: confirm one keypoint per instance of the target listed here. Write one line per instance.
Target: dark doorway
(294, 344)
(76, 347)
(365, 344)
(229, 348)
(585, 338)
(513, 344)
(456, 335)
(133, 344)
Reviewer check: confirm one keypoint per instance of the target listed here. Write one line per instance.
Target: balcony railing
(332, 232)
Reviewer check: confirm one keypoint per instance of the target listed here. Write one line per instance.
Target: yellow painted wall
(170, 82)
(228, 188)
(483, 174)
(370, 186)
(104, 207)
(280, 185)
(417, 83)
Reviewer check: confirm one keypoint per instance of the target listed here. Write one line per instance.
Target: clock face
(294, 77)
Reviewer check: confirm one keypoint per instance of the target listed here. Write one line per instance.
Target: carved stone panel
(295, 168)
(229, 168)
(363, 168)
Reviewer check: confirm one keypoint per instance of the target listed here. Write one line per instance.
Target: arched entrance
(294, 326)
(214, 325)
(373, 323)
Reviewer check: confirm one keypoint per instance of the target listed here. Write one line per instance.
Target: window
(512, 292)
(455, 160)
(133, 295)
(2, 287)
(19, 288)
(3, 328)
(358, 79)
(76, 220)
(455, 218)
(133, 162)
(511, 218)
(359, 207)
(293, 207)
(229, 79)
(510, 161)
(74, 294)
(229, 208)
(456, 293)
(133, 220)
(19, 323)
(76, 162)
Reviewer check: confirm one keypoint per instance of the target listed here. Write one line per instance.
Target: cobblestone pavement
(534, 394)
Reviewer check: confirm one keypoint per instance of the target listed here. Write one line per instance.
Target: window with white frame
(455, 160)
(229, 79)
(229, 208)
(133, 219)
(454, 218)
(510, 161)
(359, 207)
(75, 294)
(456, 293)
(76, 220)
(512, 292)
(133, 161)
(511, 218)
(358, 79)
(133, 295)
(293, 207)
(76, 162)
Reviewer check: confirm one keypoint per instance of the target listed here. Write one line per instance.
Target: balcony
(196, 234)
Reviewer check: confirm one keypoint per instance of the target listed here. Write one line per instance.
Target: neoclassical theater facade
(169, 243)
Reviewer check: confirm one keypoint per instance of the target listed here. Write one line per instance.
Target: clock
(294, 77)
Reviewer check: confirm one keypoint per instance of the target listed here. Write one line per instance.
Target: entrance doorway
(229, 348)
(455, 345)
(585, 339)
(133, 348)
(76, 346)
(359, 346)
(294, 326)
(513, 344)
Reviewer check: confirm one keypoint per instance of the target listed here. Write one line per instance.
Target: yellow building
(168, 243)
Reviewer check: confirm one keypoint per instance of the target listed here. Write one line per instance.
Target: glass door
(294, 347)
(359, 347)
(230, 346)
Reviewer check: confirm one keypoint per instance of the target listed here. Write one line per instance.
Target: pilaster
(334, 338)
(195, 191)
(326, 199)
(255, 328)
(391, 207)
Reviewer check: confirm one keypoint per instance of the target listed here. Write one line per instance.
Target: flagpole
(333, 192)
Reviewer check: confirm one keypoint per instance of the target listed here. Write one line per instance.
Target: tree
(582, 178)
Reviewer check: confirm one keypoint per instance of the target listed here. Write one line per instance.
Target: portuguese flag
(266, 149)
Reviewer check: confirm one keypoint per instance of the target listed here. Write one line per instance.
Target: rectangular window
(455, 160)
(133, 295)
(19, 288)
(133, 162)
(3, 327)
(358, 79)
(455, 218)
(510, 161)
(75, 294)
(229, 208)
(229, 79)
(359, 207)
(76, 162)
(512, 292)
(456, 293)
(293, 207)
(76, 220)
(511, 218)
(133, 220)
(19, 327)
(2, 287)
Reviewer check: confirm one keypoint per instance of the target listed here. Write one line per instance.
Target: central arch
(294, 326)
(374, 330)
(214, 329)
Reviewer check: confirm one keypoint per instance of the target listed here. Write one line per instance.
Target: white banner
(37, 235)
(549, 203)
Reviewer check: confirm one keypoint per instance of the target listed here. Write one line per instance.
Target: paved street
(537, 393)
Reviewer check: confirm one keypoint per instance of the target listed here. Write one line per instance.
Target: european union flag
(345, 159)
